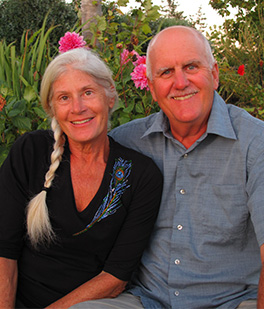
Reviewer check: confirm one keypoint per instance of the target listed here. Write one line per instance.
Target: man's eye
(88, 92)
(191, 67)
(166, 73)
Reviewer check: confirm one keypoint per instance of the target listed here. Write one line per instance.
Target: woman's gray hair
(81, 59)
(39, 228)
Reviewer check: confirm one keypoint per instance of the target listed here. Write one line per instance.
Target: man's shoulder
(138, 134)
(244, 122)
(138, 125)
(131, 132)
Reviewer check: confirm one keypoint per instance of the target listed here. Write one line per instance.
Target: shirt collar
(160, 123)
(219, 122)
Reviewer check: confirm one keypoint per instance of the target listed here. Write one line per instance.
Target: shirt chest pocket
(224, 211)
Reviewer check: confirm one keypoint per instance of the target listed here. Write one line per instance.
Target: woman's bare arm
(8, 283)
(102, 286)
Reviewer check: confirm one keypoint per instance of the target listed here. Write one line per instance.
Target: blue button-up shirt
(204, 251)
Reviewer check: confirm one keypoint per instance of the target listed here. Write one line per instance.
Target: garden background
(31, 29)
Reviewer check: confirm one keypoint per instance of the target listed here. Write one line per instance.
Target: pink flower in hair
(139, 76)
(71, 40)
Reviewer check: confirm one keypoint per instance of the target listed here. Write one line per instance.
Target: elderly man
(207, 245)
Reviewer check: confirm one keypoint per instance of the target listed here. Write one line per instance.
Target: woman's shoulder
(35, 138)
(31, 144)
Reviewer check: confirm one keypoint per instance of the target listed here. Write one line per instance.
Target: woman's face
(81, 107)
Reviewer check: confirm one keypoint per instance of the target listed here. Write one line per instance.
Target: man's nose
(181, 81)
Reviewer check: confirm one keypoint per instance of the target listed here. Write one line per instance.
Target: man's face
(183, 77)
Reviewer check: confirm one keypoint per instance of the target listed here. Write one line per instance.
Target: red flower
(2, 102)
(261, 63)
(241, 70)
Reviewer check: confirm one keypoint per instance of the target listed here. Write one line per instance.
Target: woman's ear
(111, 102)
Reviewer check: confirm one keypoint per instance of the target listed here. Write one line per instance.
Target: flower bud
(119, 45)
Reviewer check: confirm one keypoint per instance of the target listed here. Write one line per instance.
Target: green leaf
(40, 112)
(18, 107)
(101, 23)
(122, 2)
(22, 123)
(29, 94)
(129, 108)
(3, 153)
(124, 119)
(146, 29)
(2, 126)
(139, 108)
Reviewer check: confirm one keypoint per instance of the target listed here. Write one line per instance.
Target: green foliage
(20, 77)
(245, 90)
(115, 32)
(245, 11)
(19, 15)
(22, 65)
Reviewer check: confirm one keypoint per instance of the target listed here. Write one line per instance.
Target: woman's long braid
(38, 223)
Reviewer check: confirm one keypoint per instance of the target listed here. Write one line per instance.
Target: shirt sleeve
(255, 185)
(142, 213)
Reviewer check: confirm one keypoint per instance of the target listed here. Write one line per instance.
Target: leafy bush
(19, 15)
(241, 65)
(115, 35)
(20, 77)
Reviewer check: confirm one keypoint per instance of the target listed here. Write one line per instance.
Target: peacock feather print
(117, 187)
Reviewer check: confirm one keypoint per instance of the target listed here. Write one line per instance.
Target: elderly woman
(77, 208)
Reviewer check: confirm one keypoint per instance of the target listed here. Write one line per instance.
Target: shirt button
(176, 293)
(179, 227)
(185, 155)
(182, 191)
(177, 261)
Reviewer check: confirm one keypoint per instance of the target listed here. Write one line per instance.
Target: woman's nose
(77, 105)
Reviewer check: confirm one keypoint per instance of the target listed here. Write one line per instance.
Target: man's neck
(187, 135)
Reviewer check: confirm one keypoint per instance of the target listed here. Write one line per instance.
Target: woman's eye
(64, 98)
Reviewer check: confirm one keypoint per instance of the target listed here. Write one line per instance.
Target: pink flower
(139, 76)
(70, 41)
(241, 70)
(140, 60)
(126, 56)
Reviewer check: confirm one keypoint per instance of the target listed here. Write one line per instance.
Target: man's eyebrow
(192, 61)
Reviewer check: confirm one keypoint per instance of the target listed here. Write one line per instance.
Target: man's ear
(215, 73)
(151, 88)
